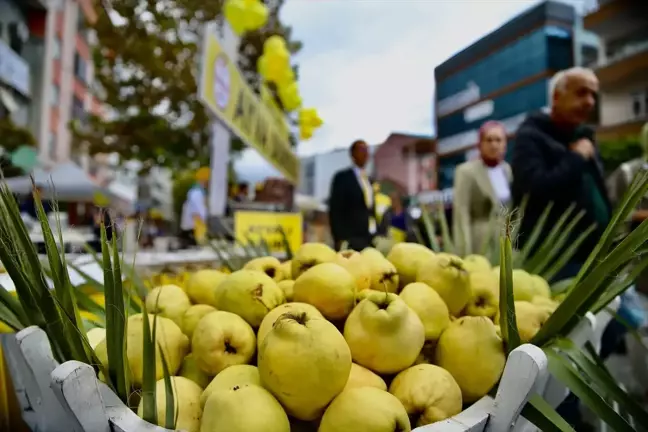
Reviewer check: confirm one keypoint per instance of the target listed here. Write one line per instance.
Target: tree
(616, 152)
(145, 64)
(12, 137)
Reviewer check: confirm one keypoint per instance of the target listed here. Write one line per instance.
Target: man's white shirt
(194, 205)
(366, 186)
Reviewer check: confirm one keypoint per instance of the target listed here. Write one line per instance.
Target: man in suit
(352, 214)
(555, 161)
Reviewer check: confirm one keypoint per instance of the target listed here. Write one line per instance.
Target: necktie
(366, 189)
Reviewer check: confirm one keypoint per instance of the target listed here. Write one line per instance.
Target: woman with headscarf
(481, 188)
(193, 221)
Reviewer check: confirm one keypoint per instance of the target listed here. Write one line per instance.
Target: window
(56, 48)
(78, 110)
(79, 67)
(51, 146)
(54, 96)
(640, 104)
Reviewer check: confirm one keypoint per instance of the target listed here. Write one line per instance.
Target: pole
(219, 136)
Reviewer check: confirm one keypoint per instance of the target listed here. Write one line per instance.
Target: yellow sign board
(265, 225)
(224, 91)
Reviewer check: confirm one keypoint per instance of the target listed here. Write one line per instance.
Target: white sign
(457, 101)
(14, 70)
(479, 111)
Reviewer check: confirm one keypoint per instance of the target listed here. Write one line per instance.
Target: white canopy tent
(66, 182)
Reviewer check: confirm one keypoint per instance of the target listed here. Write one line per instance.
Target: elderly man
(555, 161)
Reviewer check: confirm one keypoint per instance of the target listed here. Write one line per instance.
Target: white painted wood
(75, 386)
(524, 367)
(30, 363)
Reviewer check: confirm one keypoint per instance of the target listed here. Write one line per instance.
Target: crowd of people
(554, 162)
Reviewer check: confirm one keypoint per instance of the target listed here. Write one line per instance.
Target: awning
(66, 181)
(8, 100)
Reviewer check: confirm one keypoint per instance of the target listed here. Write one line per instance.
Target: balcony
(613, 18)
(623, 130)
(625, 67)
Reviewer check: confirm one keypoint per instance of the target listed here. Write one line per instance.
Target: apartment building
(18, 57)
(622, 26)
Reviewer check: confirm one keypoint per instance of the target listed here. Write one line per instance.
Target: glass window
(79, 67)
(56, 48)
(501, 68)
(51, 146)
(54, 96)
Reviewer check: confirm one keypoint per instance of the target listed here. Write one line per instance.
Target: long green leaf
(429, 228)
(149, 404)
(559, 243)
(543, 416)
(621, 284)
(508, 321)
(10, 319)
(11, 304)
(548, 245)
(115, 324)
(588, 289)
(221, 257)
(563, 370)
(532, 241)
(601, 379)
(448, 245)
(286, 244)
(554, 265)
(171, 413)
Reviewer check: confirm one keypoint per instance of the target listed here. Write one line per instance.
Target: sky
(367, 66)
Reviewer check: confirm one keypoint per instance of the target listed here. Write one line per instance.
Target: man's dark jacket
(348, 212)
(545, 169)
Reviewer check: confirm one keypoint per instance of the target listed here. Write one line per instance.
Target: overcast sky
(368, 65)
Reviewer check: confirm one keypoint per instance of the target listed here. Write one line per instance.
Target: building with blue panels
(503, 76)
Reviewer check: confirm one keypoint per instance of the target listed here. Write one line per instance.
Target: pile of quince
(332, 342)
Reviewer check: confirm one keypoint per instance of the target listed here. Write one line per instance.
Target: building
(406, 164)
(503, 76)
(318, 170)
(19, 40)
(622, 68)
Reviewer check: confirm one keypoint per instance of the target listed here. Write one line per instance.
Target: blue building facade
(503, 76)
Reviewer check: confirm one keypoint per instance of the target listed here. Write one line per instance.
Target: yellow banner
(265, 225)
(224, 91)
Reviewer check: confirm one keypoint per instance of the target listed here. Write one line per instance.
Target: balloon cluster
(308, 121)
(274, 66)
(245, 15)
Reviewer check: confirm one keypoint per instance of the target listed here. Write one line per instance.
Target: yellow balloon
(235, 14)
(305, 133)
(289, 96)
(309, 117)
(272, 68)
(275, 44)
(257, 14)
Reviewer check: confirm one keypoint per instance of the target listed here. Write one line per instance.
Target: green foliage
(146, 67)
(616, 152)
(12, 137)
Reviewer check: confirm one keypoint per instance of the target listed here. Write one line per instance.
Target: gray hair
(559, 81)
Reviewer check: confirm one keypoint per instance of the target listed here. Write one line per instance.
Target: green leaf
(553, 266)
(602, 379)
(564, 372)
(221, 256)
(549, 245)
(429, 228)
(12, 305)
(532, 241)
(543, 416)
(621, 284)
(508, 321)
(171, 414)
(448, 246)
(149, 404)
(286, 244)
(8, 318)
(562, 286)
(115, 324)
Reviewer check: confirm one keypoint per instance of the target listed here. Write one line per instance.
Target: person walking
(352, 214)
(193, 220)
(555, 162)
(481, 188)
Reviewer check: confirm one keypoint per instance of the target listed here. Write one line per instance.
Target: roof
(548, 10)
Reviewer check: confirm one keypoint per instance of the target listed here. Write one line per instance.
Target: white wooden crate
(69, 397)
